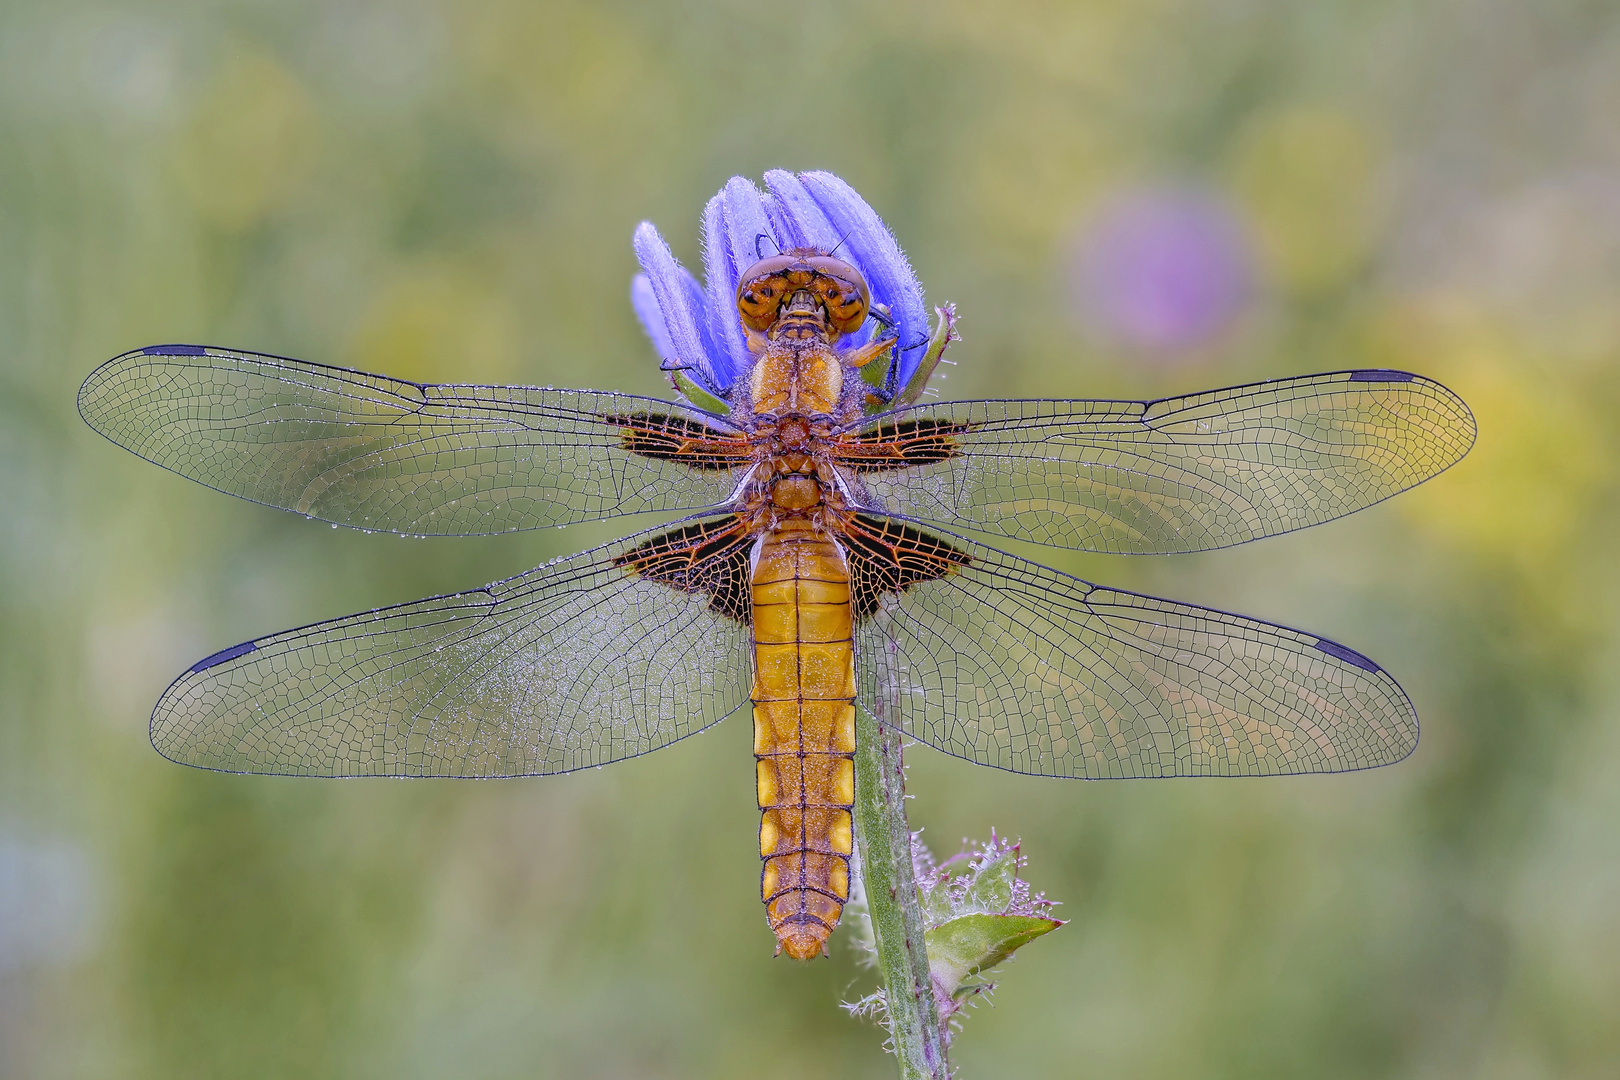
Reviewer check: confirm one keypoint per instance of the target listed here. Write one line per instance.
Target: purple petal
(781, 226)
(732, 224)
(720, 368)
(651, 315)
(679, 304)
(868, 244)
(806, 225)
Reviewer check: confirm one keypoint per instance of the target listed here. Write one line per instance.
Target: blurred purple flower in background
(1163, 271)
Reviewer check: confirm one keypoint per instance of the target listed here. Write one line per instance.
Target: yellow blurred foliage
(1034, 174)
(1088, 45)
(249, 143)
(436, 323)
(1521, 495)
(1309, 180)
(572, 67)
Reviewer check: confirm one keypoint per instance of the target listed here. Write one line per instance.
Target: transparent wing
(385, 454)
(1010, 664)
(1176, 475)
(580, 662)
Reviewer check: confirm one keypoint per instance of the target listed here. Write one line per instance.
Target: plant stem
(891, 896)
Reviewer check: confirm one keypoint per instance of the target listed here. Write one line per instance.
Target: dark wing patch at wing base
(705, 557)
(889, 557)
(682, 439)
(899, 444)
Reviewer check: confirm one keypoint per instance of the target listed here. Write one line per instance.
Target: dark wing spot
(223, 655)
(1381, 375)
(888, 557)
(706, 557)
(675, 438)
(1349, 656)
(900, 445)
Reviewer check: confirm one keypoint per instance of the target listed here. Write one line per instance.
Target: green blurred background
(448, 191)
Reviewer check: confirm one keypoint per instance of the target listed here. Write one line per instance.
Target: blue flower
(697, 328)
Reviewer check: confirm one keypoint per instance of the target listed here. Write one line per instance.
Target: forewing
(396, 456)
(581, 662)
(1010, 664)
(1175, 475)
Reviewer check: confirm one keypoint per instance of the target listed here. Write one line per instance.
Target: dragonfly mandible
(830, 554)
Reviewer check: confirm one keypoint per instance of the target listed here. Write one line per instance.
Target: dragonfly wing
(396, 456)
(581, 662)
(1176, 475)
(1007, 663)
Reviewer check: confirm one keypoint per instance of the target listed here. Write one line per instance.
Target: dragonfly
(831, 561)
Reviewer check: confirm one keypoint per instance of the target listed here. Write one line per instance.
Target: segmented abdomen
(804, 734)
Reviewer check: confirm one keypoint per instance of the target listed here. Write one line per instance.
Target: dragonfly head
(803, 277)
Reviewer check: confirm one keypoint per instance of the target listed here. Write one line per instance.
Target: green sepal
(973, 944)
(697, 395)
(944, 334)
(877, 372)
(989, 888)
(973, 885)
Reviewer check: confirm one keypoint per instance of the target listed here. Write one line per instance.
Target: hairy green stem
(891, 896)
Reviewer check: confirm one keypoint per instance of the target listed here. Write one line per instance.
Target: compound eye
(763, 289)
(842, 292)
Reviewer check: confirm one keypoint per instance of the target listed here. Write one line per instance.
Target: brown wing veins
(888, 557)
(675, 438)
(898, 445)
(706, 556)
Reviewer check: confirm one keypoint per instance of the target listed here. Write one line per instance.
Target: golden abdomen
(804, 734)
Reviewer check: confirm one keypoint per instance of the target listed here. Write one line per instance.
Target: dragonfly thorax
(796, 474)
(797, 377)
(795, 492)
